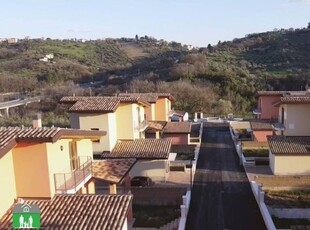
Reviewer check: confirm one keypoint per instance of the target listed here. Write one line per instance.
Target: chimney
(36, 121)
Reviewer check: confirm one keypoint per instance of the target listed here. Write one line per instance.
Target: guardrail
(70, 182)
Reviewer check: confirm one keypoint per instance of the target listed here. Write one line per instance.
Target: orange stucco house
(42, 162)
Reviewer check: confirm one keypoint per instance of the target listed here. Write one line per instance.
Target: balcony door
(73, 156)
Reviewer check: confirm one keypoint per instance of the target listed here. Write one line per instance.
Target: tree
(137, 37)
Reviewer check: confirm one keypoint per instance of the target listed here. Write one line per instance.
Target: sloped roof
(289, 145)
(177, 127)
(141, 149)
(280, 93)
(156, 125)
(261, 124)
(293, 100)
(10, 136)
(149, 97)
(99, 104)
(178, 113)
(79, 212)
(112, 170)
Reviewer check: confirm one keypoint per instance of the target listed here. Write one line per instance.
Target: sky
(192, 22)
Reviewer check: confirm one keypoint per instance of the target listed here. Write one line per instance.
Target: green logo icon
(26, 216)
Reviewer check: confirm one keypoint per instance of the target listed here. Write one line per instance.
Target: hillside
(216, 79)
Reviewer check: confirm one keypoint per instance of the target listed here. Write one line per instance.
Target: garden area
(154, 216)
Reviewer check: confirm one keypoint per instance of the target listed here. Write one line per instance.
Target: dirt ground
(288, 199)
(289, 182)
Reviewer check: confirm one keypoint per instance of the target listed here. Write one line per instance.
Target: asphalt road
(222, 197)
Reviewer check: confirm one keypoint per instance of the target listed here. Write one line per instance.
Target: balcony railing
(142, 125)
(70, 182)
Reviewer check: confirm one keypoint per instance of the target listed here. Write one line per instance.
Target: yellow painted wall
(31, 170)
(291, 165)
(297, 119)
(7, 182)
(155, 169)
(153, 111)
(162, 109)
(104, 122)
(125, 121)
(58, 161)
(85, 148)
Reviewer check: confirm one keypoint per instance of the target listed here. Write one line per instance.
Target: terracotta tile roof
(281, 93)
(289, 145)
(293, 100)
(177, 127)
(141, 149)
(178, 113)
(261, 124)
(156, 125)
(10, 136)
(149, 97)
(79, 212)
(112, 170)
(99, 104)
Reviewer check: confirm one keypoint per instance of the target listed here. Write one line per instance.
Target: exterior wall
(31, 170)
(296, 119)
(7, 181)
(103, 122)
(125, 225)
(268, 109)
(178, 138)
(58, 161)
(261, 135)
(125, 115)
(272, 162)
(85, 148)
(150, 112)
(163, 106)
(155, 169)
(291, 165)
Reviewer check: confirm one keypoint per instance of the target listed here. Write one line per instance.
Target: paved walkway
(221, 197)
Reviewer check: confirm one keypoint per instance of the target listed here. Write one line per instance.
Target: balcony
(142, 125)
(70, 182)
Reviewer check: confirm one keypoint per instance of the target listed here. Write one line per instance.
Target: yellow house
(122, 117)
(294, 113)
(42, 162)
(289, 155)
(160, 104)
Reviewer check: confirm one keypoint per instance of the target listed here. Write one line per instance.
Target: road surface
(222, 197)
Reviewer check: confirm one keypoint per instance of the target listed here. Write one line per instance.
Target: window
(95, 129)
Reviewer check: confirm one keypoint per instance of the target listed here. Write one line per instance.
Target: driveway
(222, 197)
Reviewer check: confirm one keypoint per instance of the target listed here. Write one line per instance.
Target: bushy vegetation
(217, 79)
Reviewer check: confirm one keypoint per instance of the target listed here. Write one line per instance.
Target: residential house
(12, 40)
(289, 155)
(42, 162)
(122, 117)
(160, 104)
(178, 132)
(293, 113)
(265, 108)
(152, 156)
(80, 212)
(178, 116)
(261, 129)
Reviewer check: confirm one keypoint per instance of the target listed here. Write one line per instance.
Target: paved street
(222, 197)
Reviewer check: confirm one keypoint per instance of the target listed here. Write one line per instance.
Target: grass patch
(185, 156)
(288, 199)
(282, 223)
(154, 216)
(256, 152)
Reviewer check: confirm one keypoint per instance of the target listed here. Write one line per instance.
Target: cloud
(79, 30)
